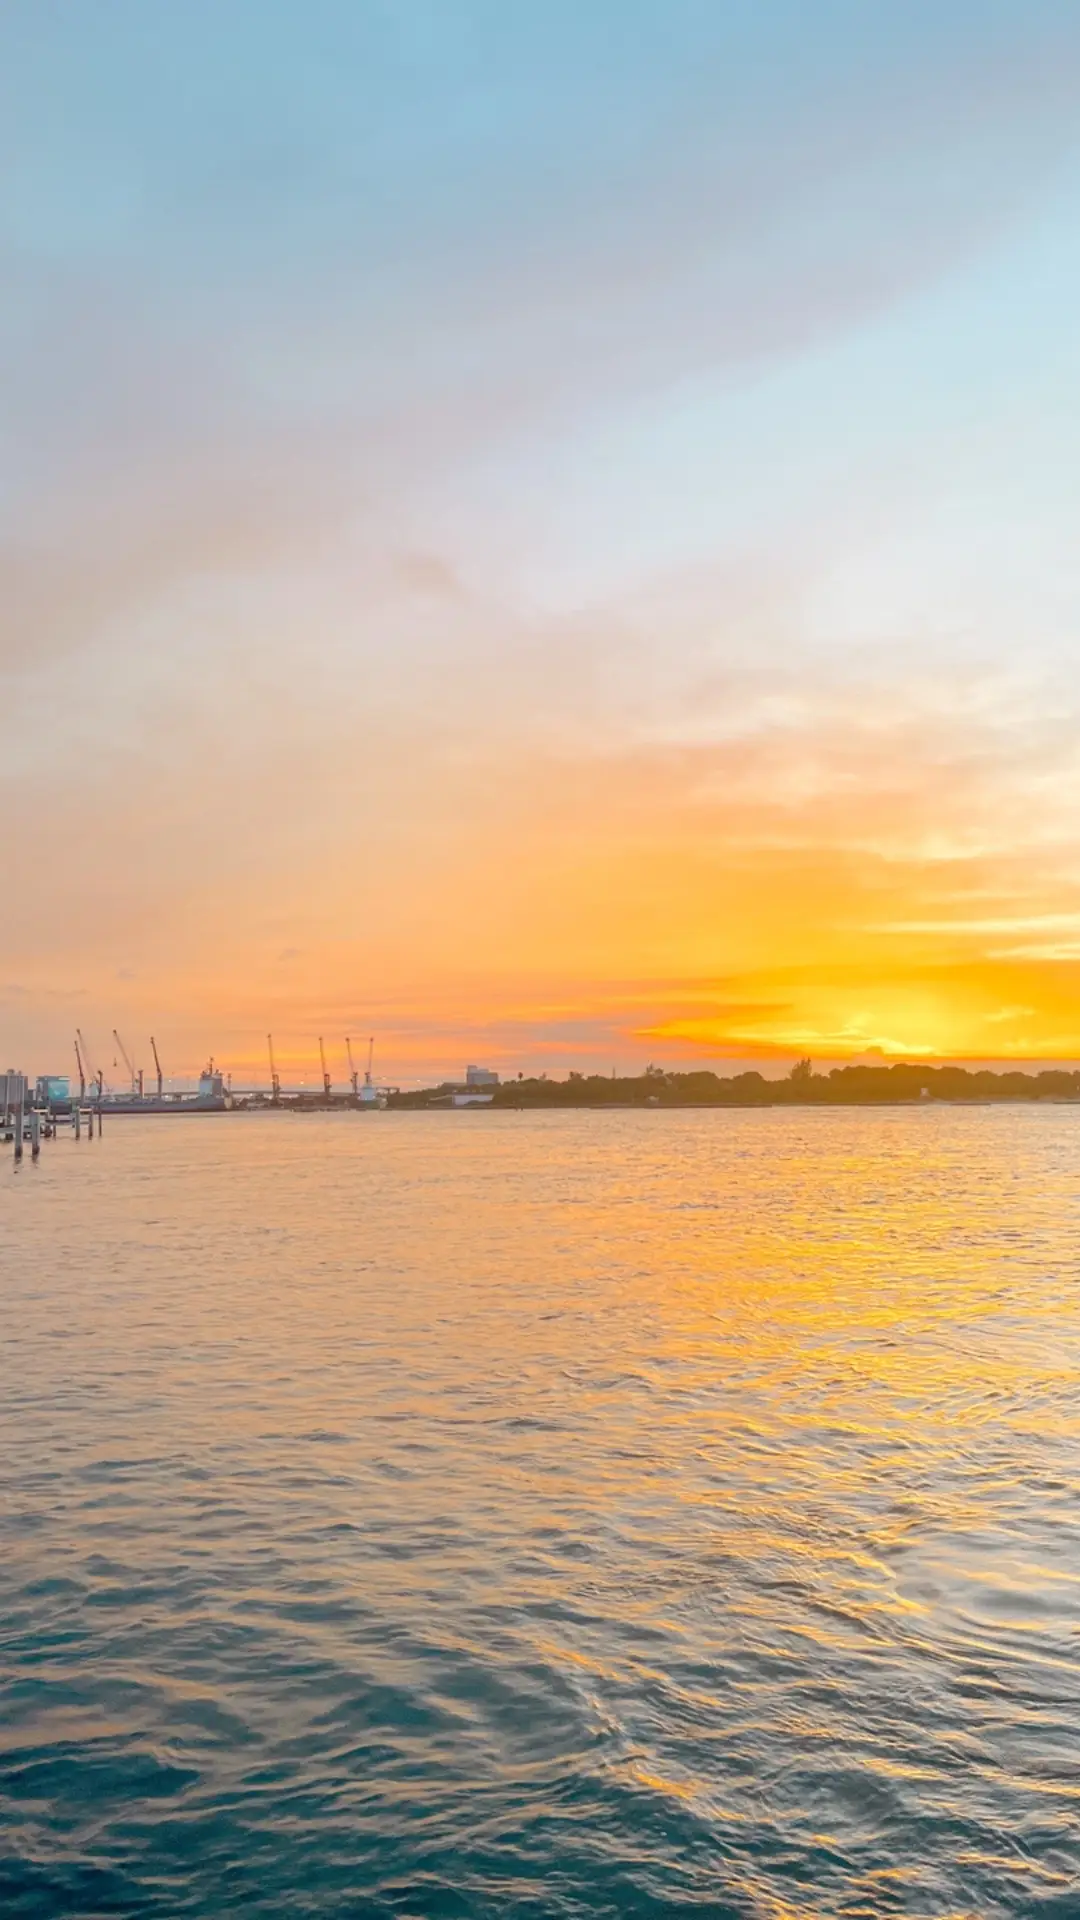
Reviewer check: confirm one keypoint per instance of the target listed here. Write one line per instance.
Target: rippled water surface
(543, 1515)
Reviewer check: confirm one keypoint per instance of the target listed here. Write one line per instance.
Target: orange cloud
(829, 869)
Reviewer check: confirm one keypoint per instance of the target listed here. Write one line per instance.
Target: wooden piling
(76, 1121)
(18, 1129)
(35, 1134)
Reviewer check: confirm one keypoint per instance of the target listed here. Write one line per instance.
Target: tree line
(840, 1086)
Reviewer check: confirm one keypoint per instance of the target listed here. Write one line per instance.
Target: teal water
(544, 1515)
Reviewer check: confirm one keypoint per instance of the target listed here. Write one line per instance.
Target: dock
(26, 1119)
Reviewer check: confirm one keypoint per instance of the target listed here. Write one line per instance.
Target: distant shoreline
(654, 1091)
(857, 1086)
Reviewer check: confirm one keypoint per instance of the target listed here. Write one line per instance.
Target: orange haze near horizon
(828, 892)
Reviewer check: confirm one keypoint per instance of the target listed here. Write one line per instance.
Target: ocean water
(543, 1515)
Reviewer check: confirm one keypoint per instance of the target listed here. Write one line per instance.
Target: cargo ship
(212, 1096)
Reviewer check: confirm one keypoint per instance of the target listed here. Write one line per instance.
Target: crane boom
(81, 1038)
(157, 1063)
(325, 1075)
(275, 1083)
(370, 1058)
(126, 1059)
(95, 1076)
(82, 1071)
(353, 1075)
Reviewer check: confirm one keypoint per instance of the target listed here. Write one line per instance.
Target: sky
(542, 532)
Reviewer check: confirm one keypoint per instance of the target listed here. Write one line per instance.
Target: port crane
(275, 1083)
(97, 1078)
(370, 1057)
(353, 1075)
(157, 1063)
(325, 1075)
(136, 1078)
(82, 1072)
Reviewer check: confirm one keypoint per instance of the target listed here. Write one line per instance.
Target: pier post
(76, 1121)
(18, 1129)
(35, 1133)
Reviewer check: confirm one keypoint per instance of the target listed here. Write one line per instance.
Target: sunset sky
(546, 532)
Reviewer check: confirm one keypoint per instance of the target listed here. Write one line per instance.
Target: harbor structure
(476, 1090)
(52, 1089)
(369, 1095)
(58, 1096)
(14, 1091)
(38, 1116)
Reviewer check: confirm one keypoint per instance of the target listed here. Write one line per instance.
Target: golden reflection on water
(718, 1462)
